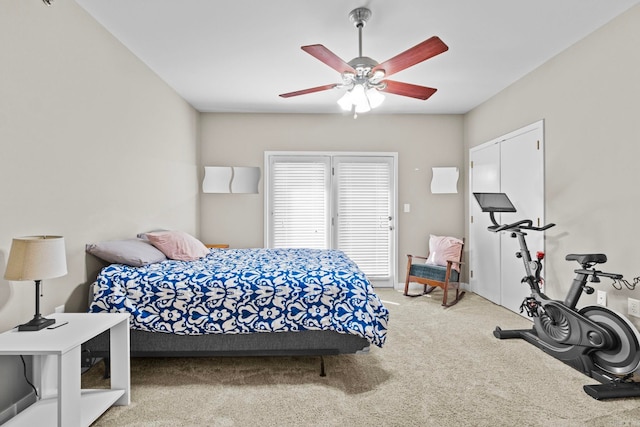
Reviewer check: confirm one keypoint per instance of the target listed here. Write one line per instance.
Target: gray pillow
(143, 236)
(134, 252)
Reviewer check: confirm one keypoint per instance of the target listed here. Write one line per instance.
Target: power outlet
(634, 307)
(601, 298)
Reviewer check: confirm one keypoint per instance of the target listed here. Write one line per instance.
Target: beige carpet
(438, 368)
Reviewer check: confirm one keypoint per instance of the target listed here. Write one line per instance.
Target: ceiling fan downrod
(359, 17)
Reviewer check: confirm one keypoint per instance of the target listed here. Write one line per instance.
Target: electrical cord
(619, 283)
(93, 361)
(24, 370)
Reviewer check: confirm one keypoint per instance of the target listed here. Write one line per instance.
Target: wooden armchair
(440, 269)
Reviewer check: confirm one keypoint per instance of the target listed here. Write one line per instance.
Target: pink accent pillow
(177, 245)
(443, 248)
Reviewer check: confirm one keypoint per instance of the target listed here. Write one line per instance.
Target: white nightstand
(57, 368)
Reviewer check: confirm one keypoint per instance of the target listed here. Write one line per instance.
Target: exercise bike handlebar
(614, 276)
(525, 224)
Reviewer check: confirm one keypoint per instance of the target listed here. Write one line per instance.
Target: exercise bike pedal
(613, 390)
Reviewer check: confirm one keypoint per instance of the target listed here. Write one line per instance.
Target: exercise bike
(594, 340)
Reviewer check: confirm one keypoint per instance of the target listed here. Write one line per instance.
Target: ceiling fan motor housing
(363, 66)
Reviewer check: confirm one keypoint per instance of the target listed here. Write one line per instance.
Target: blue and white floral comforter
(236, 291)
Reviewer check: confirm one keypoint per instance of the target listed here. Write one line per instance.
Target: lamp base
(37, 323)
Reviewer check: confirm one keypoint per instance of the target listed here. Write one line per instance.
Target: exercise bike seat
(587, 258)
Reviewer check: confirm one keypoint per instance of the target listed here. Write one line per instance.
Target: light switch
(407, 208)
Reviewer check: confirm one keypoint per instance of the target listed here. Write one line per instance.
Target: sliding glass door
(346, 202)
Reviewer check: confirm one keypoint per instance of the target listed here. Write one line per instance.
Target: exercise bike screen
(494, 202)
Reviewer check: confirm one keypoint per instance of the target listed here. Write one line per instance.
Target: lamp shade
(375, 97)
(36, 258)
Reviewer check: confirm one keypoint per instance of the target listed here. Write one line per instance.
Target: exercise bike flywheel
(624, 357)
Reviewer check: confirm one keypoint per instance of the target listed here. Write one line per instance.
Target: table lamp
(36, 258)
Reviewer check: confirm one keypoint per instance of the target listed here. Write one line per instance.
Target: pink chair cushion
(443, 248)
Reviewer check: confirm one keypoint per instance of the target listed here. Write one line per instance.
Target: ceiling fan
(364, 78)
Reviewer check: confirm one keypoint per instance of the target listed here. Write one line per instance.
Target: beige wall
(94, 146)
(420, 141)
(589, 98)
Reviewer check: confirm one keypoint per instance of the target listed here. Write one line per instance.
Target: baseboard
(17, 407)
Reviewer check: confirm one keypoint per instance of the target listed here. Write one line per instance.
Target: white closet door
(512, 164)
(484, 246)
(523, 181)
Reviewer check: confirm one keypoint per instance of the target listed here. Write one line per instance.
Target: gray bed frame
(302, 343)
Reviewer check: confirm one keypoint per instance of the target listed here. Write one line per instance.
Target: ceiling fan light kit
(359, 100)
(364, 78)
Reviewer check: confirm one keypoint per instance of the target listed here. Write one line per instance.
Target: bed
(243, 302)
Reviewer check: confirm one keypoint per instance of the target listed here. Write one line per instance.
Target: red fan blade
(331, 59)
(420, 52)
(310, 90)
(407, 89)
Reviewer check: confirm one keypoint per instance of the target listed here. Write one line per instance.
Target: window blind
(300, 204)
(364, 214)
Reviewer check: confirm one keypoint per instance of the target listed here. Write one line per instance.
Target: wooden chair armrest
(455, 262)
(416, 256)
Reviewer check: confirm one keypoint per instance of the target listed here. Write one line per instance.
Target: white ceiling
(238, 55)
